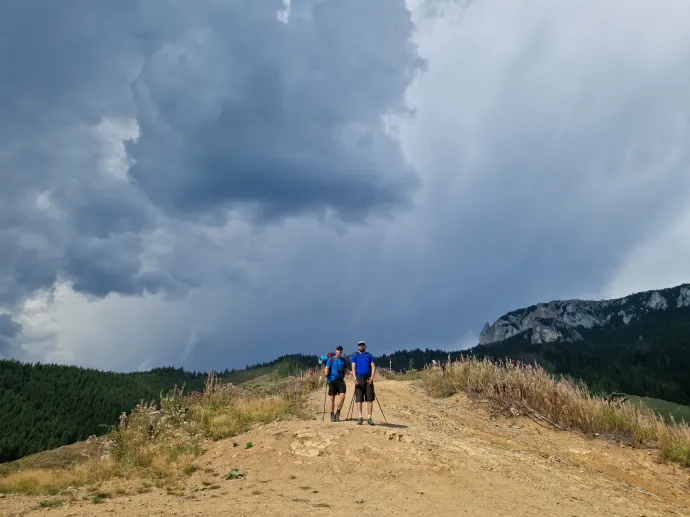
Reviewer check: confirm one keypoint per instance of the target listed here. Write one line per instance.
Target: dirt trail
(435, 457)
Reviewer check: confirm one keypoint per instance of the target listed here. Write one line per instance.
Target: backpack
(368, 360)
(329, 364)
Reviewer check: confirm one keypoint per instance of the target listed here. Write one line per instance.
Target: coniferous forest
(44, 406)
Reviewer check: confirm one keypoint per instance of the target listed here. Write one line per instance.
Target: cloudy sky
(213, 183)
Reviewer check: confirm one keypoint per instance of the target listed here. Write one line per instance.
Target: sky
(212, 184)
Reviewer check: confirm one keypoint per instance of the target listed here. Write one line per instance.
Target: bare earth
(435, 457)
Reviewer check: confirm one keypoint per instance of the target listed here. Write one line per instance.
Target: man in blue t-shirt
(363, 370)
(336, 367)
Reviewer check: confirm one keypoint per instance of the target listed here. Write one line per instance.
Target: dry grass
(409, 375)
(168, 439)
(530, 390)
(54, 481)
(162, 442)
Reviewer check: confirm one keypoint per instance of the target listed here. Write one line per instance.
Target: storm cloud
(211, 184)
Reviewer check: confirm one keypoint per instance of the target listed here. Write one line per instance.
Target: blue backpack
(362, 363)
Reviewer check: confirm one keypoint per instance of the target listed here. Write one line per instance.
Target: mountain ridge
(565, 320)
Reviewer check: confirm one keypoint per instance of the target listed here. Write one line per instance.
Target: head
(338, 351)
(361, 346)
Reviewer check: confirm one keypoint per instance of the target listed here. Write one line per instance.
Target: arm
(373, 371)
(353, 370)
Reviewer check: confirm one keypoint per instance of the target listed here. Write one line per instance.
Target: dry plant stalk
(530, 390)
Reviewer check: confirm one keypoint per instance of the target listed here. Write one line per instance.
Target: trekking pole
(384, 416)
(352, 404)
(323, 416)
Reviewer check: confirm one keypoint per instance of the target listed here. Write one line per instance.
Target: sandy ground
(435, 457)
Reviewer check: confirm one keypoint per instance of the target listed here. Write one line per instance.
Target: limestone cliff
(561, 320)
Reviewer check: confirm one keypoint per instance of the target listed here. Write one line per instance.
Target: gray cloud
(266, 209)
(284, 118)
(9, 331)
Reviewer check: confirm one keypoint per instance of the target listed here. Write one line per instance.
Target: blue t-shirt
(362, 362)
(337, 368)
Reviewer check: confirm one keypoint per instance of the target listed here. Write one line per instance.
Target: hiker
(336, 366)
(363, 370)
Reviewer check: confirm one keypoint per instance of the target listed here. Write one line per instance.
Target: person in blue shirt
(363, 370)
(336, 367)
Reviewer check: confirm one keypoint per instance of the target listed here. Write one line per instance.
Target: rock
(560, 320)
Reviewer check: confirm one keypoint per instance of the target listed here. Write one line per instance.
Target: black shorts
(336, 387)
(364, 392)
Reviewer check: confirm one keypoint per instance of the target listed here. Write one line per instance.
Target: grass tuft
(529, 390)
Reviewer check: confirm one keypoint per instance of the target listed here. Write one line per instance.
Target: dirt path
(435, 457)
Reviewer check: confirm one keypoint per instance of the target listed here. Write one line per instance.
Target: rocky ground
(435, 457)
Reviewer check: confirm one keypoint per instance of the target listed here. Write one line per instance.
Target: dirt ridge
(436, 457)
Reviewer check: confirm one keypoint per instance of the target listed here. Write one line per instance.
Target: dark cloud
(284, 118)
(9, 330)
(8, 327)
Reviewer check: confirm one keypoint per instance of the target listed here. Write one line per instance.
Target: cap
(361, 343)
(339, 347)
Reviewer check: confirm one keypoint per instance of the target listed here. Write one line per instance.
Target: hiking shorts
(364, 392)
(336, 387)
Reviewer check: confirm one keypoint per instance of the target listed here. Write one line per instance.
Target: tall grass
(173, 434)
(163, 441)
(530, 390)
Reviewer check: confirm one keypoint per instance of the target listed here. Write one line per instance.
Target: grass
(53, 481)
(664, 408)
(530, 390)
(163, 442)
(51, 503)
(409, 375)
(56, 458)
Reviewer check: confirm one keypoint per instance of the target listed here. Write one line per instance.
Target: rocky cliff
(563, 320)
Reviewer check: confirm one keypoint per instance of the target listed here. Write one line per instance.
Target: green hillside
(44, 406)
(649, 357)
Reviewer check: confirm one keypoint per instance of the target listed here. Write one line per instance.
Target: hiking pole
(352, 404)
(379, 403)
(323, 416)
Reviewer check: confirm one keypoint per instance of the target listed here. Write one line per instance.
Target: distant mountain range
(565, 320)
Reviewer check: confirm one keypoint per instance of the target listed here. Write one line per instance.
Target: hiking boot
(360, 420)
(332, 417)
(370, 421)
(337, 416)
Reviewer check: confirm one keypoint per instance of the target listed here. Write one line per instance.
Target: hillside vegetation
(44, 406)
(162, 441)
(520, 389)
(649, 357)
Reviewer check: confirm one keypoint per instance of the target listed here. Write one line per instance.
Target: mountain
(639, 344)
(566, 320)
